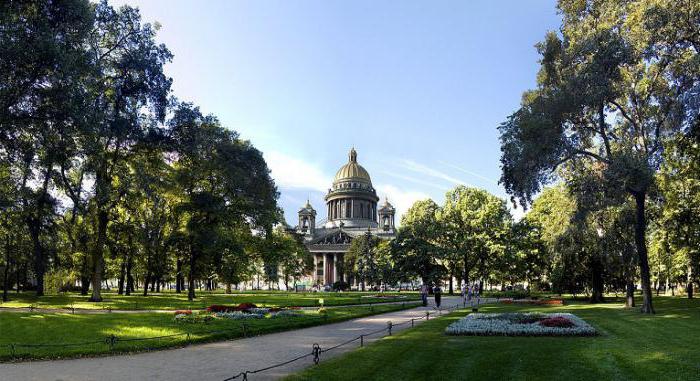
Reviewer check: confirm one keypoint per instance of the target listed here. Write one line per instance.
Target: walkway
(217, 361)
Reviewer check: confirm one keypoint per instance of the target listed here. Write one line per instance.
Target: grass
(89, 332)
(630, 346)
(173, 301)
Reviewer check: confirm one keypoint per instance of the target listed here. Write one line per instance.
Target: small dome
(387, 206)
(352, 171)
(307, 208)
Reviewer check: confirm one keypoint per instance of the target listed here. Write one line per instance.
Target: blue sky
(417, 87)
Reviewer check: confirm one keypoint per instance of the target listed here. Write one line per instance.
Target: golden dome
(352, 171)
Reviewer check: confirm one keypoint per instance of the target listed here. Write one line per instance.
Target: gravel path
(217, 361)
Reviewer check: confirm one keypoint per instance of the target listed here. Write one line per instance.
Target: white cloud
(290, 172)
(399, 198)
(443, 188)
(425, 170)
(468, 172)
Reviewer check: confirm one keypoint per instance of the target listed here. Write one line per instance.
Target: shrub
(183, 312)
(245, 306)
(340, 286)
(220, 308)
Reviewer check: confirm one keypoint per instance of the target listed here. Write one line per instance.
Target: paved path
(217, 361)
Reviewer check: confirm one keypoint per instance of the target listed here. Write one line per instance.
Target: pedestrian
(469, 293)
(424, 295)
(464, 293)
(438, 295)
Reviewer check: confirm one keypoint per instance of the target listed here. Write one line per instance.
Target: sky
(417, 87)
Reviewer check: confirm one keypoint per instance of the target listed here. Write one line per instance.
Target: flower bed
(221, 308)
(194, 318)
(521, 324)
(238, 315)
(285, 313)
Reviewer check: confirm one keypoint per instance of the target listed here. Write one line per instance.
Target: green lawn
(173, 301)
(89, 331)
(630, 347)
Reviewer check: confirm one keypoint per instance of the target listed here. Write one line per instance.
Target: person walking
(437, 291)
(464, 293)
(424, 294)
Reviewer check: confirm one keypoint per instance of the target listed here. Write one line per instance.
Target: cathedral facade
(351, 210)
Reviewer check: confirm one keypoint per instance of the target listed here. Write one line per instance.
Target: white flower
(517, 324)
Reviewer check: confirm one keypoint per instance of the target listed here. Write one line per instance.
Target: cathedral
(351, 210)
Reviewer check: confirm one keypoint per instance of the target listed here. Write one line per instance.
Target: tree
(224, 185)
(42, 61)
(415, 251)
(679, 220)
(295, 259)
(361, 260)
(127, 92)
(473, 228)
(609, 91)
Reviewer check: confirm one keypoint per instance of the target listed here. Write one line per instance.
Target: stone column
(352, 208)
(335, 267)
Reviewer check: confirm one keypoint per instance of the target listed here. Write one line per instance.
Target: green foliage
(617, 81)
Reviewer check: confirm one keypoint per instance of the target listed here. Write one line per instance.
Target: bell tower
(386, 216)
(307, 219)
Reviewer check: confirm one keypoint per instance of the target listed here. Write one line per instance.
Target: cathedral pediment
(336, 238)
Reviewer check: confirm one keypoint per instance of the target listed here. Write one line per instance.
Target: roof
(352, 171)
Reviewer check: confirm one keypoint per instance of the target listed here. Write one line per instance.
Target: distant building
(351, 209)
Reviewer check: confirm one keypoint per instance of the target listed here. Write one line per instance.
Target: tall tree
(473, 229)
(415, 250)
(224, 184)
(127, 93)
(607, 93)
(42, 61)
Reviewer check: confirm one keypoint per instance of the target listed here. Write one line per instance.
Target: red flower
(245, 306)
(558, 321)
(183, 312)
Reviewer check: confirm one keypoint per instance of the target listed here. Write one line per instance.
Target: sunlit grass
(91, 331)
(630, 346)
(173, 301)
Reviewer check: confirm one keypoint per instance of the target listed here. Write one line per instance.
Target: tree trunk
(451, 286)
(596, 280)
(38, 254)
(97, 255)
(178, 276)
(122, 275)
(6, 274)
(146, 281)
(190, 287)
(639, 238)
(129, 276)
(689, 287)
(629, 294)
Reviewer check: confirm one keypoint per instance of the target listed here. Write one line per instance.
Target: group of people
(437, 292)
(469, 293)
